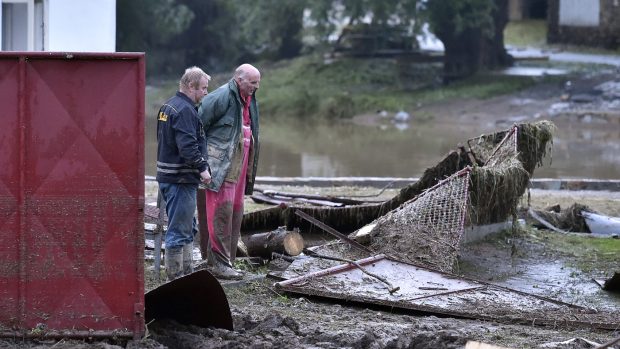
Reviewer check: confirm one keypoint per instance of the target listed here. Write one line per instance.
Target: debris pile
(533, 141)
(568, 220)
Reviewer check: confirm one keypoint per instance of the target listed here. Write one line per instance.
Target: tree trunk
(471, 50)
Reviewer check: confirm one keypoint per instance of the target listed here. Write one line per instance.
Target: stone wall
(606, 35)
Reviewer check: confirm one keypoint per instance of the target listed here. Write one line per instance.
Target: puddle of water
(556, 280)
(531, 71)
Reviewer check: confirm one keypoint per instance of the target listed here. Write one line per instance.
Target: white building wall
(82, 26)
(580, 13)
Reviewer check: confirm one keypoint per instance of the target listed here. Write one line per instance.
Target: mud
(531, 260)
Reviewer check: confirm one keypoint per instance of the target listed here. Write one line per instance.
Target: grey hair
(192, 77)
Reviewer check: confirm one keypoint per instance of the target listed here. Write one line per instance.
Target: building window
(580, 13)
(14, 26)
(23, 25)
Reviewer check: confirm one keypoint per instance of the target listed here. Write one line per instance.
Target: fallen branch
(390, 184)
(390, 287)
(263, 198)
(544, 222)
(342, 200)
(333, 231)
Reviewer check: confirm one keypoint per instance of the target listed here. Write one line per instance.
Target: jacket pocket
(221, 131)
(215, 152)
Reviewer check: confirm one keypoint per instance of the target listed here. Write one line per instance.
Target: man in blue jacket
(181, 166)
(230, 118)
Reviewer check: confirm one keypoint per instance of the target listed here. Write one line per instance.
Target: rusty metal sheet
(430, 291)
(72, 193)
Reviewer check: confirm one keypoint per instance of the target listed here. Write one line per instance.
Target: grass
(311, 88)
(526, 33)
(607, 249)
(308, 87)
(589, 253)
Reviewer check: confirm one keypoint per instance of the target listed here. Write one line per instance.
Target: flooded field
(295, 148)
(586, 142)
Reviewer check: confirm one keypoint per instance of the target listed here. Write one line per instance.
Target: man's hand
(205, 176)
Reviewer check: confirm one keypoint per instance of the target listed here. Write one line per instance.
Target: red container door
(72, 193)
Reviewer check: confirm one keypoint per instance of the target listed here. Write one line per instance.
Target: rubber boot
(222, 270)
(174, 262)
(188, 262)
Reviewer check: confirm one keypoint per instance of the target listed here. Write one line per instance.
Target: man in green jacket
(230, 118)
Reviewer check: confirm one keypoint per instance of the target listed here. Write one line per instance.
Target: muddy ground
(531, 260)
(265, 318)
(546, 263)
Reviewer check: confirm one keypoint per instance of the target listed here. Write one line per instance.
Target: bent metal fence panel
(429, 227)
(71, 194)
(492, 148)
(432, 292)
(506, 149)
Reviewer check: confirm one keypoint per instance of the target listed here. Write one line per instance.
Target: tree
(150, 26)
(272, 29)
(219, 34)
(213, 39)
(472, 34)
(471, 30)
(330, 15)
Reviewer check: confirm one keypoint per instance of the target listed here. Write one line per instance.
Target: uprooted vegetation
(534, 142)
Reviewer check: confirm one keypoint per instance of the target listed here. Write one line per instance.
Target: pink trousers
(225, 212)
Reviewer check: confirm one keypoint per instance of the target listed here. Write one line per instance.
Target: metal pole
(157, 234)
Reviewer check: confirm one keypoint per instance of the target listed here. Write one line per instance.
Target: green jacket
(221, 114)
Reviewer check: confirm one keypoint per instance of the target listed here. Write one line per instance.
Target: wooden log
(280, 240)
(281, 199)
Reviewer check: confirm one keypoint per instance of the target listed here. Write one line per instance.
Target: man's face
(248, 83)
(197, 92)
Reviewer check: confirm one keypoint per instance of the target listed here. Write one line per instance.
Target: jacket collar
(232, 85)
(185, 97)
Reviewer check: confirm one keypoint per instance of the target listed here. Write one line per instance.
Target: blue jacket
(221, 112)
(181, 144)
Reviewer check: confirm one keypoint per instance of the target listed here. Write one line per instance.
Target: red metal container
(71, 194)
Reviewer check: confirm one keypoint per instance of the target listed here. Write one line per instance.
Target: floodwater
(588, 147)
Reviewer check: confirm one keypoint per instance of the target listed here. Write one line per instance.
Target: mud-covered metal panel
(76, 185)
(430, 291)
